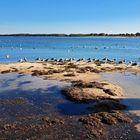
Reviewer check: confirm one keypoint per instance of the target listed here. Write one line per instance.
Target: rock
(37, 73)
(71, 65)
(16, 101)
(76, 94)
(109, 105)
(95, 126)
(82, 84)
(98, 62)
(88, 68)
(108, 91)
(53, 121)
(5, 71)
(96, 122)
(70, 74)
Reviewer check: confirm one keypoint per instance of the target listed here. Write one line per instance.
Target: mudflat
(106, 110)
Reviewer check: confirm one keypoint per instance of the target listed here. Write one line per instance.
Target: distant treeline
(76, 35)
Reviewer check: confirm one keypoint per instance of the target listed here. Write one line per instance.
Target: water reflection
(41, 97)
(131, 85)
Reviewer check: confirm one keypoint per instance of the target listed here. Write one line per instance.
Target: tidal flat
(68, 100)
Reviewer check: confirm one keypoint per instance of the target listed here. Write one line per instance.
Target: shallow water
(44, 97)
(131, 85)
(14, 48)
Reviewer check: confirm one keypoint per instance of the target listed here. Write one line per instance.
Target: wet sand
(82, 106)
(131, 85)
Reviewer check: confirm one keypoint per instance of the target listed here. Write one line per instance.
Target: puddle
(131, 85)
(43, 97)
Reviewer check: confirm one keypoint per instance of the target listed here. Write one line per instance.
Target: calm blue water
(69, 47)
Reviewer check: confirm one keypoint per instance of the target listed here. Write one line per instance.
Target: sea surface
(14, 48)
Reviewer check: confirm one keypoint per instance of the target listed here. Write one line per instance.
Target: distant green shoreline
(77, 35)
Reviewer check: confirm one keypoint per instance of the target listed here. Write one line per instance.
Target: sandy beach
(86, 87)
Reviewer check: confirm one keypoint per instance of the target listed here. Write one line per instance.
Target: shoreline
(81, 74)
(133, 35)
(130, 85)
(86, 88)
(79, 66)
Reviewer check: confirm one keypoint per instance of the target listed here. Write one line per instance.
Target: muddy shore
(107, 111)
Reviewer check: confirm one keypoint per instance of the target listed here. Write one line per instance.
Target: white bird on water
(7, 56)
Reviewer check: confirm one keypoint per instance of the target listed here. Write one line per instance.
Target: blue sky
(69, 16)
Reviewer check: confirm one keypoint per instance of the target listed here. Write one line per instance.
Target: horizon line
(70, 34)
